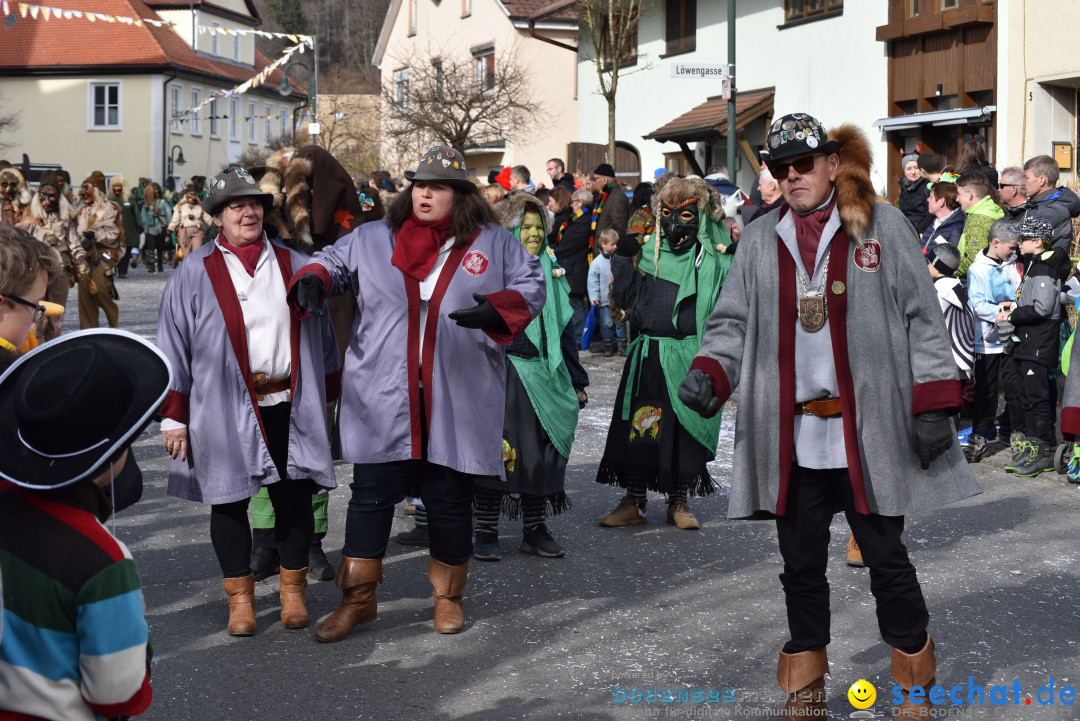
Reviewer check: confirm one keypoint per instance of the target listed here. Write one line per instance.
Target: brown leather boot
(356, 578)
(854, 555)
(241, 592)
(802, 676)
(627, 513)
(448, 581)
(914, 669)
(294, 613)
(680, 516)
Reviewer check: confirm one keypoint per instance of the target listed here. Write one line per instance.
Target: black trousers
(813, 497)
(377, 487)
(1032, 383)
(989, 373)
(155, 243)
(294, 529)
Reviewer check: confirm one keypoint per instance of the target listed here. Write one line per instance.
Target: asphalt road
(639, 608)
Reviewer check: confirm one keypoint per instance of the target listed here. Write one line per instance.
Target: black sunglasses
(1002, 186)
(39, 310)
(802, 166)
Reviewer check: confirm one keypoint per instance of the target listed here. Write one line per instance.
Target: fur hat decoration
(96, 179)
(24, 195)
(315, 199)
(677, 190)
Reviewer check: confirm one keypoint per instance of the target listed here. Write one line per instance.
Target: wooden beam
(689, 155)
(750, 155)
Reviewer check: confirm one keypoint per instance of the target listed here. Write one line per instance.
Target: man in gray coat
(845, 400)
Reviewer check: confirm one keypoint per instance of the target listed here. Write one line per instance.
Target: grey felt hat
(442, 164)
(230, 184)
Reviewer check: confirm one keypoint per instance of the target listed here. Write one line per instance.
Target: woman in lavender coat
(440, 289)
(247, 403)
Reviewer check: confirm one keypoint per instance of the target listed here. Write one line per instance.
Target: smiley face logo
(862, 694)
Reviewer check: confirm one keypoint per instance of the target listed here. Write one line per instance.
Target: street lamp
(313, 97)
(170, 182)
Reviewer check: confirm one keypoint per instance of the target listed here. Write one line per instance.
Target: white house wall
(833, 68)
(442, 30)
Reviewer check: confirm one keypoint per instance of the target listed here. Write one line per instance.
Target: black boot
(1040, 461)
(319, 569)
(264, 555)
(609, 348)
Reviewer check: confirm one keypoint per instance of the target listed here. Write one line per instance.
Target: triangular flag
(22, 9)
(34, 11)
(46, 12)
(77, 13)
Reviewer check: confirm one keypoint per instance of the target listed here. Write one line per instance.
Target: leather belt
(264, 387)
(822, 407)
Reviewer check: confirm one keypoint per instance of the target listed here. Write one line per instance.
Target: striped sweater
(75, 643)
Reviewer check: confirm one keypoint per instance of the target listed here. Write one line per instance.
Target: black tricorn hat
(68, 406)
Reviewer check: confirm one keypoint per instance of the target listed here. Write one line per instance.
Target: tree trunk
(611, 130)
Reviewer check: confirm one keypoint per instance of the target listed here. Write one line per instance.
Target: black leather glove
(934, 435)
(88, 239)
(481, 315)
(696, 393)
(629, 245)
(582, 398)
(309, 291)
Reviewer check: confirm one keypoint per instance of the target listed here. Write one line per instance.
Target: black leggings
(377, 487)
(294, 527)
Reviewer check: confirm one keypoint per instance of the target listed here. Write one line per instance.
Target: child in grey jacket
(599, 280)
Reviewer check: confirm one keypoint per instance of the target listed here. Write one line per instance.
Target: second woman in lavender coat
(440, 288)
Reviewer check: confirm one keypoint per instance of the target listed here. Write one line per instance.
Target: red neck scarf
(808, 232)
(248, 255)
(416, 247)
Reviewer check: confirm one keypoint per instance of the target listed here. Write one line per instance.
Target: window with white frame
(283, 120)
(175, 126)
(268, 123)
(215, 118)
(484, 69)
(215, 42)
(236, 47)
(401, 90)
(412, 17)
(195, 120)
(234, 120)
(252, 121)
(103, 105)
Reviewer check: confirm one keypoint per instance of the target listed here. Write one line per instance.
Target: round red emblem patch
(475, 263)
(868, 256)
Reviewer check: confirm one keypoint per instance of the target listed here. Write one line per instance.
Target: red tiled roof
(57, 45)
(551, 9)
(711, 117)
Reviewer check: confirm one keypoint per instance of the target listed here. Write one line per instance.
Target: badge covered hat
(442, 164)
(1039, 228)
(230, 184)
(798, 134)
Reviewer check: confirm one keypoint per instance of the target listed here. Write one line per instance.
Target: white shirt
(427, 288)
(266, 321)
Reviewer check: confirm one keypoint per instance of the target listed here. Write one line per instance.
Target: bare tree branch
(9, 123)
(611, 30)
(462, 102)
